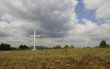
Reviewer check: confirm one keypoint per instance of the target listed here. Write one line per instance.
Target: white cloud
(86, 27)
(55, 18)
(92, 4)
(101, 7)
(57, 21)
(89, 34)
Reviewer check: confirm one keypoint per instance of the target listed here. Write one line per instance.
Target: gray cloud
(19, 18)
(3, 34)
(52, 16)
(55, 18)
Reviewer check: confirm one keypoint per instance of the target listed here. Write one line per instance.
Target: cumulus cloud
(86, 27)
(101, 7)
(55, 18)
(94, 32)
(52, 16)
(89, 33)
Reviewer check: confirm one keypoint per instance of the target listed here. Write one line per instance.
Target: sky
(74, 22)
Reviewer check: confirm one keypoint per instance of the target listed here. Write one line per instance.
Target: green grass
(76, 58)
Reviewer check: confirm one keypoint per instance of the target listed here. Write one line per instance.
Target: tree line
(102, 44)
(7, 47)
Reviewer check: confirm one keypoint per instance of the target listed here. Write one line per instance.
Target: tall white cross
(34, 40)
(37, 28)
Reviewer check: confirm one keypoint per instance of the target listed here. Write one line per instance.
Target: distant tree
(96, 47)
(13, 48)
(88, 47)
(71, 46)
(57, 47)
(103, 44)
(23, 47)
(4, 47)
(66, 46)
(108, 45)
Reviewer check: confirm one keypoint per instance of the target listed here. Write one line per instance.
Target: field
(76, 58)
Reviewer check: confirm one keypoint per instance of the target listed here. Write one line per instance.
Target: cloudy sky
(77, 22)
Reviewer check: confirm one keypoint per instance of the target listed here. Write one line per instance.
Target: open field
(80, 58)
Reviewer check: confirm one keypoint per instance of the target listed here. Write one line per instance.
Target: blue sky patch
(83, 13)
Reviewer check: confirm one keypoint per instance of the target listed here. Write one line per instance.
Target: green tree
(23, 47)
(13, 48)
(57, 47)
(103, 44)
(71, 46)
(4, 47)
(66, 48)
